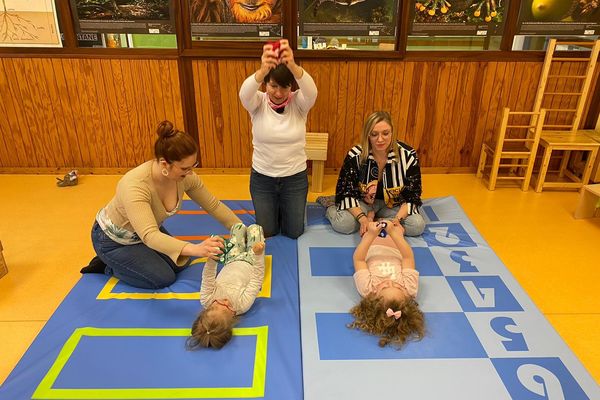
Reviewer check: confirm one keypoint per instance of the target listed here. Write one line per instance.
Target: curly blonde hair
(211, 330)
(370, 316)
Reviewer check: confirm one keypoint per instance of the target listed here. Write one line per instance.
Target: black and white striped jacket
(401, 179)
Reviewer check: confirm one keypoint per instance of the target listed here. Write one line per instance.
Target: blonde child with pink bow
(386, 278)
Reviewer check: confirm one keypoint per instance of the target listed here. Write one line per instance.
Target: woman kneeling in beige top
(128, 235)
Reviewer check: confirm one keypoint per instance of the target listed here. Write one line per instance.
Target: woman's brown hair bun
(166, 129)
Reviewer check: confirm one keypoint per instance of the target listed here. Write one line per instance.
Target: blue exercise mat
(485, 338)
(108, 340)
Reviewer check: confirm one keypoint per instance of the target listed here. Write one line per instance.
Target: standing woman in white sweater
(278, 181)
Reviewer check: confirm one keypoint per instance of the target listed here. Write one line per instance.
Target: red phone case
(275, 45)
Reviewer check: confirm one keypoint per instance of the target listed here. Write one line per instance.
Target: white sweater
(279, 139)
(239, 282)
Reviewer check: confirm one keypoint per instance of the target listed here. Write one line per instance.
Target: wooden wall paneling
(57, 114)
(221, 81)
(115, 121)
(324, 76)
(494, 110)
(382, 87)
(148, 99)
(44, 121)
(202, 146)
(316, 116)
(5, 130)
(447, 133)
(244, 130)
(136, 141)
(96, 136)
(337, 138)
(401, 102)
(416, 123)
(69, 104)
(397, 95)
(230, 102)
(123, 111)
(485, 89)
(239, 114)
(206, 155)
(7, 157)
(211, 142)
(29, 88)
(143, 108)
(335, 155)
(14, 137)
(487, 96)
(430, 77)
(175, 92)
(471, 88)
(111, 130)
(163, 105)
(357, 76)
(459, 114)
(217, 109)
(361, 102)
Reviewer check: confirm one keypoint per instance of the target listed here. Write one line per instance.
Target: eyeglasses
(188, 169)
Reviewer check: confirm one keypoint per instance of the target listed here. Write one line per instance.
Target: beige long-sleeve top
(137, 207)
(239, 282)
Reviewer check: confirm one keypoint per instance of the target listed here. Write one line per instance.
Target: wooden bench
(589, 199)
(3, 267)
(316, 151)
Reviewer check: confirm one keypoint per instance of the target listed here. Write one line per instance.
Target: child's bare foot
(258, 248)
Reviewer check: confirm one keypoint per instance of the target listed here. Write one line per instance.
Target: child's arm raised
(396, 232)
(360, 254)
(209, 274)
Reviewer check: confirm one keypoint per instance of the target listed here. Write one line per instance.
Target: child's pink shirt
(385, 263)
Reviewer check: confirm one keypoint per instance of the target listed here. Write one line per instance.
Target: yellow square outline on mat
(107, 294)
(45, 390)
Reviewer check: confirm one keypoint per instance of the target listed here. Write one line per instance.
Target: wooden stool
(587, 206)
(3, 267)
(568, 142)
(316, 151)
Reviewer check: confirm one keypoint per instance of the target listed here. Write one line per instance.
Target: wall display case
(30, 23)
(540, 20)
(347, 25)
(457, 24)
(559, 17)
(236, 20)
(119, 16)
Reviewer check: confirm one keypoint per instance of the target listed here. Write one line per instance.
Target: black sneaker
(96, 266)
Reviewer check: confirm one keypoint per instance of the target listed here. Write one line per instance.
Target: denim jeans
(280, 203)
(343, 221)
(137, 264)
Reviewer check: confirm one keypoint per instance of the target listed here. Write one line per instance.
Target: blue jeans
(137, 264)
(280, 203)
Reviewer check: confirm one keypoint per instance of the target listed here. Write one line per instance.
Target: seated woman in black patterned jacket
(380, 178)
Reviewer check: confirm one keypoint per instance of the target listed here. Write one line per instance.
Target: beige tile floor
(555, 258)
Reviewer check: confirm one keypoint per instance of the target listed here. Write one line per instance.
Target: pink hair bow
(392, 313)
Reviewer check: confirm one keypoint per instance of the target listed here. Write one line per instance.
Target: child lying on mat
(233, 291)
(386, 278)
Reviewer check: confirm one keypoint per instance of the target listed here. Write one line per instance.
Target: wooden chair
(563, 94)
(516, 142)
(316, 151)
